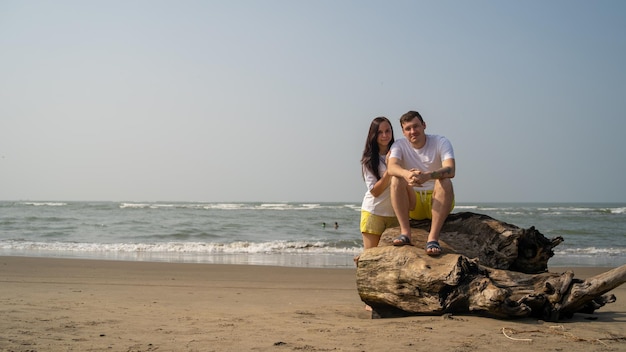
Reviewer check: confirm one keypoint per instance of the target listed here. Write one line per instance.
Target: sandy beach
(94, 305)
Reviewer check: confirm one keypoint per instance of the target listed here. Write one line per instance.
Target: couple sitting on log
(490, 268)
(408, 179)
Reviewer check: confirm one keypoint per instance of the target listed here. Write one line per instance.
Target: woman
(376, 211)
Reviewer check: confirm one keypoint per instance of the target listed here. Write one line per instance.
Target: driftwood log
(487, 268)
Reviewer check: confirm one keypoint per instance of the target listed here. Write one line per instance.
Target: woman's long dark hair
(371, 153)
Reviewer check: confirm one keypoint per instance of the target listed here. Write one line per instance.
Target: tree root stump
(487, 268)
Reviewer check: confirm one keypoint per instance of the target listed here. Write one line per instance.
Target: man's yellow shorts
(423, 205)
(376, 224)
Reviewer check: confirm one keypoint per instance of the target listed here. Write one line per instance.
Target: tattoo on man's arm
(441, 173)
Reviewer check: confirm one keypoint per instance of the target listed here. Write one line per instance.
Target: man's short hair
(410, 116)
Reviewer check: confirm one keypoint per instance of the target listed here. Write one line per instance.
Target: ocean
(282, 234)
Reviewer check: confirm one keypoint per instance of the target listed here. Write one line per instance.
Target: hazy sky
(272, 100)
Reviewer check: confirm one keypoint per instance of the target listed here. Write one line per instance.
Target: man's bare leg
(412, 198)
(400, 201)
(443, 196)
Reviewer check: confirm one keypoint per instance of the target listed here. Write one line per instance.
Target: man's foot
(433, 248)
(402, 240)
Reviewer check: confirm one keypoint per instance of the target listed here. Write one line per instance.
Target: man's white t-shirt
(428, 158)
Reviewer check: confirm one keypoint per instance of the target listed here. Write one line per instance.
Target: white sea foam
(310, 206)
(237, 247)
(223, 206)
(49, 204)
(181, 247)
(135, 205)
(465, 207)
(353, 207)
(590, 256)
(229, 206)
(592, 251)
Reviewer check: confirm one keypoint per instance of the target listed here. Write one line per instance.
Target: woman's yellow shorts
(376, 224)
(423, 205)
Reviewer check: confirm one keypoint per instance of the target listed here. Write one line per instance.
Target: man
(425, 162)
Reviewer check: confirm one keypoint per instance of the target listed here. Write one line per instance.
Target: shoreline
(294, 260)
(55, 304)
